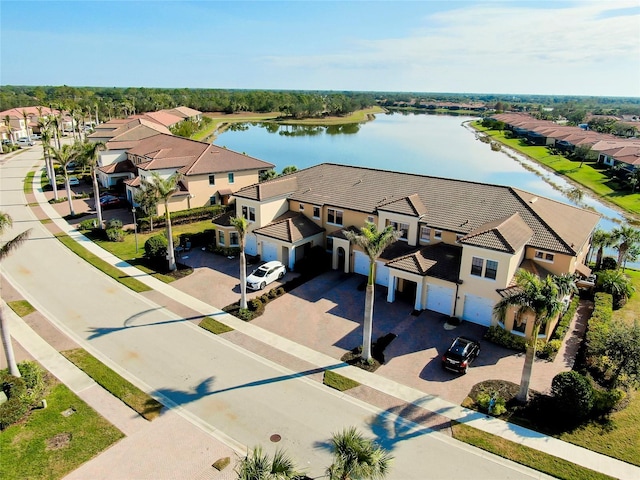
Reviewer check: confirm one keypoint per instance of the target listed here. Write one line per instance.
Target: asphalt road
(243, 397)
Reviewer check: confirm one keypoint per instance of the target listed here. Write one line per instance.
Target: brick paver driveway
(326, 314)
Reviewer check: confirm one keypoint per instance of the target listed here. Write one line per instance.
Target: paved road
(240, 396)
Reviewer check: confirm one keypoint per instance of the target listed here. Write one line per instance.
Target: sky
(507, 47)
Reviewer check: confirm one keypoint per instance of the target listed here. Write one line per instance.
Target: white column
(419, 294)
(391, 291)
(292, 257)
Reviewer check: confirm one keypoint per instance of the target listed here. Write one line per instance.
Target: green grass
(28, 183)
(131, 395)
(530, 457)
(337, 381)
(214, 326)
(113, 272)
(589, 175)
(24, 445)
(21, 307)
(631, 311)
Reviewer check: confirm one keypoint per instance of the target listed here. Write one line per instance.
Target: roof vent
(533, 200)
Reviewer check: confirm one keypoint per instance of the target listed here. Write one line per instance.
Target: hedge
(184, 216)
(598, 325)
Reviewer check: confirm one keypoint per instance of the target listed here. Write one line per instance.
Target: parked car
(74, 181)
(25, 142)
(265, 274)
(462, 352)
(35, 136)
(111, 201)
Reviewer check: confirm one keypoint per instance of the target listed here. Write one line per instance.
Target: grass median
(121, 388)
(113, 272)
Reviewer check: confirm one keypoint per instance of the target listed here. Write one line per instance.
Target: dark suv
(460, 354)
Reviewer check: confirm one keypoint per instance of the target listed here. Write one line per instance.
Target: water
(433, 145)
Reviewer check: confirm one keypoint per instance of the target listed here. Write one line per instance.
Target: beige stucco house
(461, 242)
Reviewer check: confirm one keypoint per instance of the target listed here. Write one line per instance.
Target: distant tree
(289, 169)
(268, 175)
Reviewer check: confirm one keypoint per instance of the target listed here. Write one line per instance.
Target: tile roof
(224, 220)
(290, 227)
(119, 167)
(182, 112)
(410, 205)
(505, 234)
(440, 260)
(454, 205)
(162, 117)
(215, 159)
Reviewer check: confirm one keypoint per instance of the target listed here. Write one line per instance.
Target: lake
(435, 145)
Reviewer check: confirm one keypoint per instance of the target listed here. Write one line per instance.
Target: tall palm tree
(163, 188)
(5, 250)
(373, 242)
(63, 156)
(46, 133)
(258, 466)
(145, 199)
(600, 240)
(242, 225)
(624, 238)
(357, 458)
(532, 297)
(25, 116)
(90, 156)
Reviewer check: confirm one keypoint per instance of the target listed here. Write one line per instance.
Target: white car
(25, 142)
(74, 181)
(265, 274)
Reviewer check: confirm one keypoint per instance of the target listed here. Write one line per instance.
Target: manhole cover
(275, 438)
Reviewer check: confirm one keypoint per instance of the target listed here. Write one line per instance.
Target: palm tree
(162, 189)
(357, 458)
(241, 225)
(617, 284)
(145, 199)
(601, 240)
(90, 155)
(373, 242)
(63, 156)
(624, 237)
(5, 250)
(258, 466)
(46, 129)
(532, 296)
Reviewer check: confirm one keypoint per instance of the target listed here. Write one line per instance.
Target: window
(220, 237)
(437, 234)
(302, 207)
(249, 213)
(370, 219)
(544, 256)
(316, 212)
(492, 269)
(425, 234)
(233, 237)
(330, 244)
(334, 216)
(230, 177)
(212, 200)
(212, 179)
(400, 227)
(476, 266)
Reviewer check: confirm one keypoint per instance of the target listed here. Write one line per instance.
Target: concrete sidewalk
(408, 395)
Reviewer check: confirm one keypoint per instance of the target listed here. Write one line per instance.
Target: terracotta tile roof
(183, 112)
(132, 129)
(410, 205)
(30, 111)
(167, 151)
(505, 234)
(215, 159)
(290, 227)
(440, 260)
(133, 182)
(452, 205)
(119, 167)
(163, 118)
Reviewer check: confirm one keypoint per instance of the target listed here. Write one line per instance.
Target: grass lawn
(113, 272)
(589, 175)
(21, 307)
(530, 457)
(631, 311)
(121, 388)
(337, 381)
(49, 445)
(214, 326)
(28, 183)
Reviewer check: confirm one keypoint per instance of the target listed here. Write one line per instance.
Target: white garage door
(269, 251)
(439, 299)
(251, 245)
(477, 310)
(361, 266)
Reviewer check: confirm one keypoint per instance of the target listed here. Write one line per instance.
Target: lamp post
(135, 226)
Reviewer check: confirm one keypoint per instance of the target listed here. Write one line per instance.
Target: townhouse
(460, 246)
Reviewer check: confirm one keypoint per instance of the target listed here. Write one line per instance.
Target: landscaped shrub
(604, 401)
(88, 224)
(573, 395)
(609, 263)
(245, 314)
(156, 247)
(114, 223)
(255, 305)
(33, 377)
(487, 399)
(499, 335)
(185, 216)
(550, 349)
(598, 326)
(115, 234)
(563, 325)
(273, 293)
(16, 405)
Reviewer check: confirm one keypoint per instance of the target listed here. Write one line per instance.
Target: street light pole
(135, 226)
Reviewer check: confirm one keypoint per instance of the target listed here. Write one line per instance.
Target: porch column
(419, 294)
(292, 257)
(391, 290)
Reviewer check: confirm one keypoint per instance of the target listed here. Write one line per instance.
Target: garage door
(269, 251)
(477, 310)
(251, 245)
(439, 299)
(361, 266)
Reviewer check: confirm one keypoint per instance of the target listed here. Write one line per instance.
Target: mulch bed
(354, 357)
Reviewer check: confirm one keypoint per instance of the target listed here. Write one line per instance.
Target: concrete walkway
(409, 396)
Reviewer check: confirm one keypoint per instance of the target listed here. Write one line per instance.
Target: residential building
(460, 246)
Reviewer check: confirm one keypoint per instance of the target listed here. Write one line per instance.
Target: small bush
(484, 400)
(280, 291)
(609, 263)
(563, 325)
(499, 335)
(115, 234)
(551, 348)
(605, 401)
(88, 224)
(273, 293)
(17, 404)
(573, 395)
(255, 305)
(114, 223)
(245, 314)
(156, 247)
(33, 378)
(264, 298)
